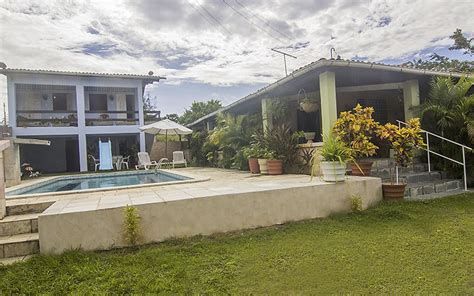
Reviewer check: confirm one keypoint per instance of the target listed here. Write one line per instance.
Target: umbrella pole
(166, 144)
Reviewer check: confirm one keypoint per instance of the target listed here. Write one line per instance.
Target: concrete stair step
(21, 206)
(437, 186)
(12, 260)
(19, 245)
(18, 224)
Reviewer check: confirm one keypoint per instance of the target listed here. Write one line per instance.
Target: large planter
(253, 166)
(333, 171)
(365, 168)
(309, 136)
(393, 191)
(275, 167)
(262, 163)
(309, 106)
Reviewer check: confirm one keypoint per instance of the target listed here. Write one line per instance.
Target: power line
(262, 20)
(252, 23)
(215, 19)
(209, 18)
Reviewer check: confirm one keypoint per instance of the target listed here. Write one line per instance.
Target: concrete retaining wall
(102, 229)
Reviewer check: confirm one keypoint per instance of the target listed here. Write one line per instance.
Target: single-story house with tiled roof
(337, 85)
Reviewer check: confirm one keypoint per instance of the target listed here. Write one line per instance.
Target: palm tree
(449, 110)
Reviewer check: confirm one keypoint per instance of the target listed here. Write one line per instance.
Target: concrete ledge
(179, 217)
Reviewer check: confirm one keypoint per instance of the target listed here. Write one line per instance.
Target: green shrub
(281, 142)
(356, 203)
(131, 225)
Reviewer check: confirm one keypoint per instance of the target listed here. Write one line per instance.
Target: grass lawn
(396, 248)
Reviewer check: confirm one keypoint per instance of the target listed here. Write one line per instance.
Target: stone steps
(438, 186)
(19, 230)
(419, 181)
(21, 207)
(19, 224)
(19, 245)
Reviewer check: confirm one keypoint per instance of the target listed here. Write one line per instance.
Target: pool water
(69, 183)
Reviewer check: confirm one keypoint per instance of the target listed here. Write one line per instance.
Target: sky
(220, 49)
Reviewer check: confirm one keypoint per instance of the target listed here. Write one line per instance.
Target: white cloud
(181, 40)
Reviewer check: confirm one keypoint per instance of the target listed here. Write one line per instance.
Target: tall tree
(461, 42)
(441, 63)
(198, 110)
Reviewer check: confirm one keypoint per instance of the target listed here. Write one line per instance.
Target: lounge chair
(96, 162)
(144, 161)
(178, 158)
(163, 162)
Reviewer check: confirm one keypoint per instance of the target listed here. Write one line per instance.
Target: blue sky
(220, 49)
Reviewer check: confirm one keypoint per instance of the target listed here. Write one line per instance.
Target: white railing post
(464, 167)
(428, 151)
(396, 173)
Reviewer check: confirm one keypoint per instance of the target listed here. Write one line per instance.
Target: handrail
(463, 148)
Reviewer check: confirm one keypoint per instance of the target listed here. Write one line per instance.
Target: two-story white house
(74, 110)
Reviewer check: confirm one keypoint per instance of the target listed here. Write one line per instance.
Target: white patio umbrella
(166, 127)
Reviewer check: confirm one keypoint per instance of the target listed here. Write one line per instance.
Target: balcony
(46, 118)
(111, 118)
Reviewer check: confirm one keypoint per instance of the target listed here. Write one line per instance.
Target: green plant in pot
(274, 164)
(331, 159)
(404, 141)
(356, 129)
(307, 105)
(264, 156)
(253, 153)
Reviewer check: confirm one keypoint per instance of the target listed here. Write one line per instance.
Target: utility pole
(284, 58)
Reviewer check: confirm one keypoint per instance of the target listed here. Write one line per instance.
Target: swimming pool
(98, 181)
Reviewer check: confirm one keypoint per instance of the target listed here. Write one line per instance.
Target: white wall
(81, 131)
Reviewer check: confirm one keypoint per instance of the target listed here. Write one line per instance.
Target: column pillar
(81, 126)
(141, 116)
(411, 98)
(267, 118)
(3, 203)
(11, 164)
(327, 90)
(11, 103)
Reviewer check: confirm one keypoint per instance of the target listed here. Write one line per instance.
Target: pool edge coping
(192, 179)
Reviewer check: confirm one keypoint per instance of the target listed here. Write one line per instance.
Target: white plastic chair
(125, 161)
(178, 158)
(144, 161)
(96, 162)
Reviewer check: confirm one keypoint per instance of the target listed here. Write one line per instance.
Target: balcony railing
(50, 118)
(41, 118)
(108, 118)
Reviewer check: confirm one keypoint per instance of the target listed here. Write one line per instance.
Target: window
(59, 102)
(98, 102)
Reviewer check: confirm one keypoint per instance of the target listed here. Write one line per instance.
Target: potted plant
(331, 159)
(404, 141)
(356, 129)
(263, 158)
(274, 164)
(309, 105)
(252, 153)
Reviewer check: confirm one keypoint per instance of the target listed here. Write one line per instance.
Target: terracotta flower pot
(262, 163)
(365, 166)
(275, 167)
(393, 191)
(253, 166)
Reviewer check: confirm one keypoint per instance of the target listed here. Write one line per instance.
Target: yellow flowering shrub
(356, 128)
(404, 141)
